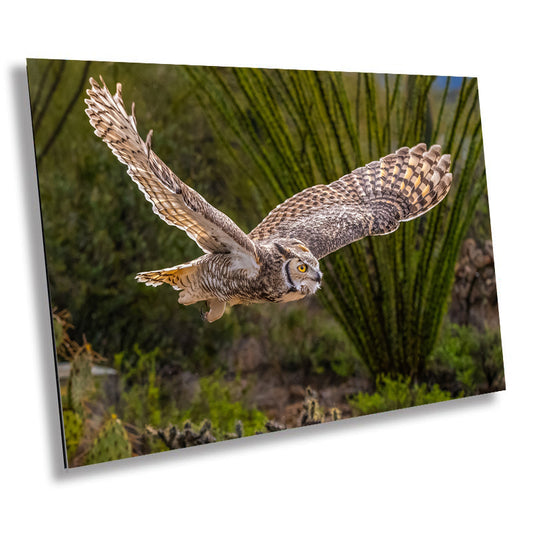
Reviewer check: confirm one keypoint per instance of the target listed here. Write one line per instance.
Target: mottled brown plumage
(371, 200)
(278, 260)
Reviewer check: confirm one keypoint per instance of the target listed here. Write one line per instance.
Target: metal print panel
(249, 250)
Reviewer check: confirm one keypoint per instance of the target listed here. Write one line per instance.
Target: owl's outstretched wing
(371, 200)
(175, 202)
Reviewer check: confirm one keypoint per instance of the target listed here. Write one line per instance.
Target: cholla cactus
(239, 431)
(335, 414)
(272, 426)
(174, 439)
(312, 413)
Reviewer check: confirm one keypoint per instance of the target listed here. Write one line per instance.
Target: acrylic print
(237, 251)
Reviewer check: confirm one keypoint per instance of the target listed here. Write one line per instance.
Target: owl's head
(300, 267)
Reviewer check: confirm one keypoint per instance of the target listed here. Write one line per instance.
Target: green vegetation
(111, 443)
(468, 359)
(137, 411)
(93, 431)
(140, 400)
(73, 425)
(396, 394)
(216, 401)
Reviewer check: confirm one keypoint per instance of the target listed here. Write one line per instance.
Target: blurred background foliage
(299, 128)
(246, 139)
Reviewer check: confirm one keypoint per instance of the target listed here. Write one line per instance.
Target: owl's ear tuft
(282, 250)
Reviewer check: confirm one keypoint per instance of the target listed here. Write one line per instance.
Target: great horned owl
(278, 260)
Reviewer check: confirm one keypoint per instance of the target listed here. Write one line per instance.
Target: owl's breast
(224, 277)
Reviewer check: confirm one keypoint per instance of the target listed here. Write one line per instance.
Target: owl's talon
(204, 311)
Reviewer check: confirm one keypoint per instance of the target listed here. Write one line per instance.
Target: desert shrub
(223, 404)
(470, 357)
(142, 398)
(396, 394)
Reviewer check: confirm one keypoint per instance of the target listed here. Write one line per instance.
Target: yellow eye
(302, 268)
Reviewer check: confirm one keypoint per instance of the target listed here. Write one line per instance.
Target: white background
(463, 466)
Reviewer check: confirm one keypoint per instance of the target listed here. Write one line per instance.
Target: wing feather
(172, 200)
(371, 200)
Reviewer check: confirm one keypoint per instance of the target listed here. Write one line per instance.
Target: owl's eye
(302, 268)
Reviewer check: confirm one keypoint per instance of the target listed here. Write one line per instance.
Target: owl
(279, 260)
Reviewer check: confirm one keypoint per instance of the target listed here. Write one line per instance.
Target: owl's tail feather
(411, 182)
(179, 277)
